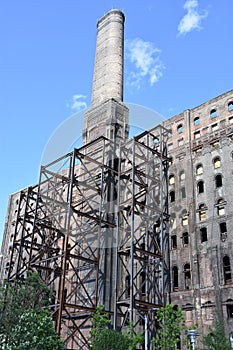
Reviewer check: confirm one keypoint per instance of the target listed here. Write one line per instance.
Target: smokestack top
(113, 15)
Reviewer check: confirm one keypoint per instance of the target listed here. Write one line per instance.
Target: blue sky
(178, 54)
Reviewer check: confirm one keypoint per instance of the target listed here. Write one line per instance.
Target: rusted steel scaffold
(142, 240)
(95, 229)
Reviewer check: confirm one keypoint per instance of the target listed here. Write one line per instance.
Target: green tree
(216, 339)
(103, 338)
(18, 297)
(170, 322)
(34, 331)
(110, 339)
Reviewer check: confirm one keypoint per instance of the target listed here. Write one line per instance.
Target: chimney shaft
(108, 69)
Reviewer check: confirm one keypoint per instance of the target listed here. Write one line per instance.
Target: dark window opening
(185, 238)
(230, 311)
(223, 227)
(187, 276)
(203, 231)
(200, 186)
(175, 278)
(172, 196)
(173, 242)
(223, 230)
(227, 269)
(218, 181)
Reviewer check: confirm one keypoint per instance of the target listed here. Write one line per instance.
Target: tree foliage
(34, 331)
(216, 338)
(18, 299)
(103, 338)
(170, 323)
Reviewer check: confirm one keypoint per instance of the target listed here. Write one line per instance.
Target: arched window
(218, 180)
(182, 175)
(230, 106)
(213, 113)
(227, 269)
(180, 128)
(199, 169)
(175, 278)
(202, 212)
(196, 121)
(171, 180)
(185, 238)
(187, 276)
(217, 162)
(172, 196)
(200, 186)
(185, 220)
(203, 232)
(221, 207)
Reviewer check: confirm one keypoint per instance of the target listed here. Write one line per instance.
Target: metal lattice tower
(95, 228)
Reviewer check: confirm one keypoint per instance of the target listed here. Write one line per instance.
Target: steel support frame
(69, 217)
(96, 201)
(143, 243)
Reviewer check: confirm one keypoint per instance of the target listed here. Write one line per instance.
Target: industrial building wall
(201, 209)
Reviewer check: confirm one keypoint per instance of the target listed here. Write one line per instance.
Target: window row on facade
(197, 120)
(226, 269)
(220, 209)
(203, 236)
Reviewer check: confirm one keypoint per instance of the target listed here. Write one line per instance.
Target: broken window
(173, 242)
(185, 239)
(172, 196)
(218, 180)
(199, 169)
(217, 163)
(187, 276)
(213, 113)
(185, 220)
(196, 121)
(227, 269)
(175, 278)
(200, 187)
(171, 180)
(180, 128)
(223, 230)
(221, 207)
(203, 231)
(202, 212)
(230, 106)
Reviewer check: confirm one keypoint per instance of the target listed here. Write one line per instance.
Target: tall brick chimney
(108, 69)
(108, 116)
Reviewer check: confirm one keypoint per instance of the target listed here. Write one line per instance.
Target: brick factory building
(132, 224)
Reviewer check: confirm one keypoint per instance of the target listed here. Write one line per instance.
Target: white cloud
(77, 103)
(192, 19)
(146, 59)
